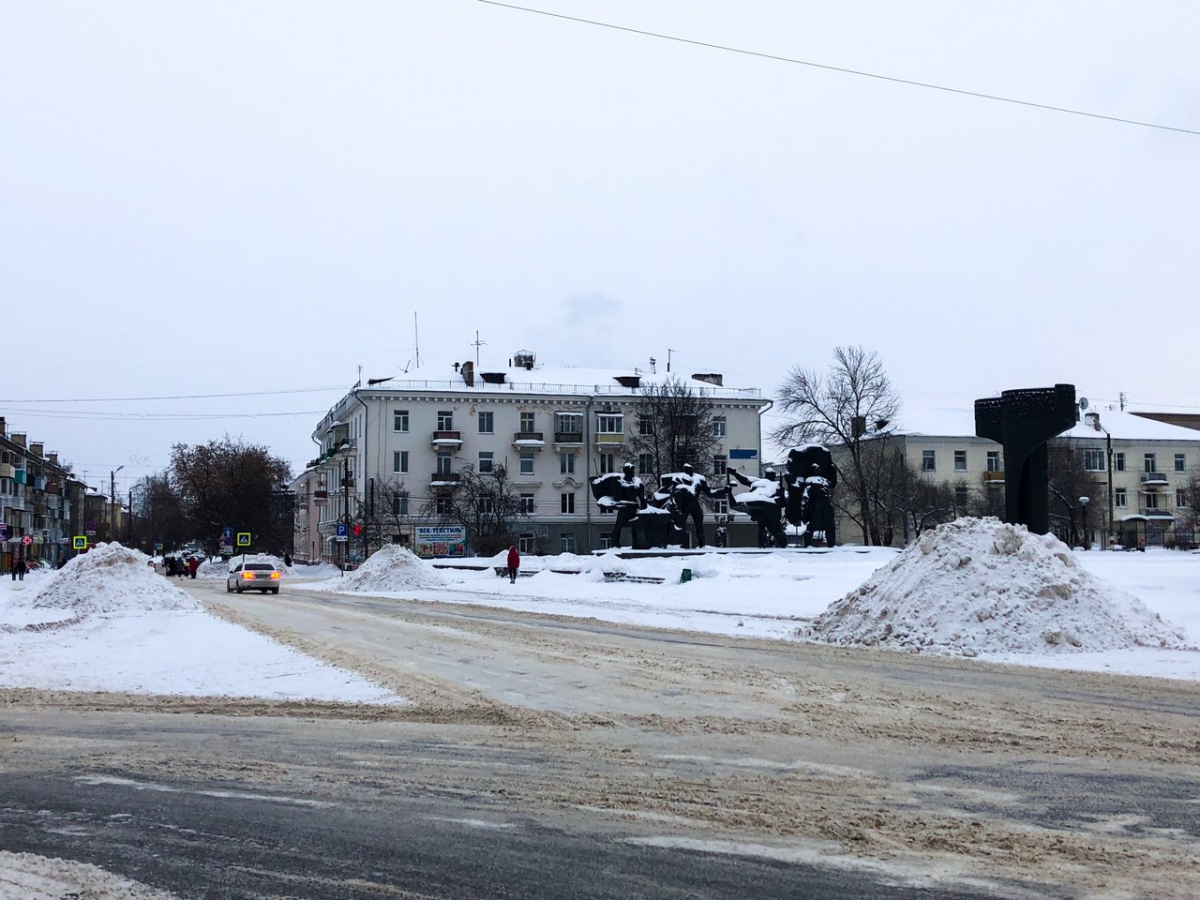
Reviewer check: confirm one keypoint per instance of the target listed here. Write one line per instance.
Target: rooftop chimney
(37, 449)
(1093, 419)
(710, 378)
(18, 438)
(53, 457)
(468, 373)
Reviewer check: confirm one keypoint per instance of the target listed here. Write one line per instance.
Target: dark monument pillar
(1023, 420)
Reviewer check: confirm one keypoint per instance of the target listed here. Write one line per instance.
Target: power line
(316, 390)
(84, 415)
(814, 65)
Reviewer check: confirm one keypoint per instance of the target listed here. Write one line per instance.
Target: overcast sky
(258, 196)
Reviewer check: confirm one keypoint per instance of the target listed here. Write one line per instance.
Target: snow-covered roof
(955, 422)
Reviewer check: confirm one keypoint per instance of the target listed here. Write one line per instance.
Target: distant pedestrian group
(19, 569)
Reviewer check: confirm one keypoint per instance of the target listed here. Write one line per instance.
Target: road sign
(27, 540)
(343, 530)
(90, 526)
(341, 539)
(79, 542)
(3, 532)
(243, 539)
(158, 546)
(91, 532)
(227, 533)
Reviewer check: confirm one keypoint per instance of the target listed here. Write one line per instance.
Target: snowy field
(121, 627)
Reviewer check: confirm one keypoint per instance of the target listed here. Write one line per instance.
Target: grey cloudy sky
(258, 196)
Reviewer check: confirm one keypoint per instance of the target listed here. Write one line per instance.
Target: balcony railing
(568, 437)
(444, 479)
(993, 476)
(605, 437)
(1154, 478)
(447, 437)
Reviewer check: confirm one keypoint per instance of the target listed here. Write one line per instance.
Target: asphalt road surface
(547, 757)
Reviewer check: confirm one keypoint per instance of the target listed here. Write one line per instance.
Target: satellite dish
(1083, 403)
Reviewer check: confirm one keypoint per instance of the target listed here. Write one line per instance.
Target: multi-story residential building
(39, 500)
(1138, 467)
(552, 430)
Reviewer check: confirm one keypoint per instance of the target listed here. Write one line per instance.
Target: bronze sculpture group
(661, 519)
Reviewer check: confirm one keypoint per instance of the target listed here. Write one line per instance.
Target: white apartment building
(1139, 468)
(551, 428)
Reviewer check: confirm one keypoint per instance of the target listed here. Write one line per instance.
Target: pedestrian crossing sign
(79, 542)
(243, 539)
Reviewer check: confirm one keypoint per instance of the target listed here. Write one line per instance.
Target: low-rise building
(1137, 467)
(40, 501)
(405, 442)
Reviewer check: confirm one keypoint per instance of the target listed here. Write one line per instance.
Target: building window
(487, 423)
(610, 423)
(1181, 498)
(960, 460)
(526, 504)
(400, 505)
(1093, 460)
(566, 464)
(1180, 462)
(1121, 498)
(605, 542)
(720, 507)
(1151, 501)
(527, 544)
(566, 542)
(720, 428)
(400, 462)
(527, 422)
(928, 460)
(487, 504)
(1148, 463)
(486, 461)
(608, 463)
(442, 504)
(993, 460)
(960, 497)
(569, 423)
(645, 425)
(526, 462)
(445, 462)
(720, 465)
(445, 420)
(566, 504)
(645, 464)
(1119, 462)
(400, 420)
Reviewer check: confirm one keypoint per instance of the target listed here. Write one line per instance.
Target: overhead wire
(316, 390)
(998, 98)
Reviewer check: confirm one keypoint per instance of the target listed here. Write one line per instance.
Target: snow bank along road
(546, 757)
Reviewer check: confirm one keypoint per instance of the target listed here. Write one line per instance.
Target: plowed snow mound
(981, 586)
(391, 569)
(110, 578)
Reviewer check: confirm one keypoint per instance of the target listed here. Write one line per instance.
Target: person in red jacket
(193, 564)
(514, 563)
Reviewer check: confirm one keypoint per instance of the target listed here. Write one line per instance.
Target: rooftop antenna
(669, 352)
(416, 341)
(652, 362)
(477, 343)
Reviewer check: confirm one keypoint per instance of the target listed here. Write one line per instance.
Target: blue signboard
(743, 454)
(227, 533)
(343, 530)
(3, 532)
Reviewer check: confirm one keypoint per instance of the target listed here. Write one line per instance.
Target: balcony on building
(605, 439)
(321, 495)
(447, 439)
(1154, 512)
(1154, 478)
(7, 471)
(444, 479)
(570, 439)
(528, 440)
(993, 478)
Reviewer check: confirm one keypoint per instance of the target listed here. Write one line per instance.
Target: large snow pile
(393, 568)
(110, 578)
(981, 586)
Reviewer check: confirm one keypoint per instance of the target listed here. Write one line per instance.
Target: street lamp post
(1087, 543)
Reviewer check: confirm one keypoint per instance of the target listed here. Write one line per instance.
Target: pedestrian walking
(514, 563)
(21, 569)
(192, 565)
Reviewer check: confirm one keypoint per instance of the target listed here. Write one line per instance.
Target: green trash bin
(685, 576)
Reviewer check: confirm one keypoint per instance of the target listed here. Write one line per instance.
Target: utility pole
(346, 511)
(112, 507)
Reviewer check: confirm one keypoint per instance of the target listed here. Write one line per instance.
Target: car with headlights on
(253, 576)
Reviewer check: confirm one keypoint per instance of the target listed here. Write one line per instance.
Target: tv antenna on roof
(416, 341)
(477, 343)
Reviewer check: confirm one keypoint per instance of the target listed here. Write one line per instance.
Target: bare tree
(674, 426)
(1070, 481)
(386, 507)
(1189, 513)
(486, 504)
(850, 407)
